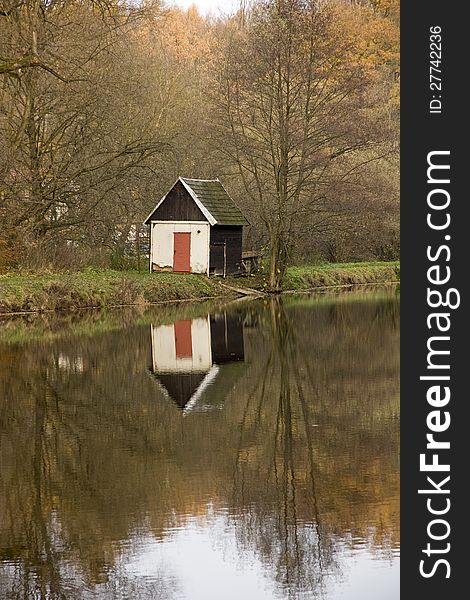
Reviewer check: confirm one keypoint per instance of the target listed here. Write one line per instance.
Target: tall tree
(291, 106)
(77, 127)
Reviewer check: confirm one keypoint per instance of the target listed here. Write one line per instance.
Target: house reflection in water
(196, 362)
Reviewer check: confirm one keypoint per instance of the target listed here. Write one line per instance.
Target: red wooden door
(183, 339)
(181, 254)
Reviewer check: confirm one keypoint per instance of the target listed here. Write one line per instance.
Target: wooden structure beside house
(196, 228)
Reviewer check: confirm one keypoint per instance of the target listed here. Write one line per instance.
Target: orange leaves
(187, 35)
(373, 39)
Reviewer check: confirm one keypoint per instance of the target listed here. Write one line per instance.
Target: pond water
(203, 452)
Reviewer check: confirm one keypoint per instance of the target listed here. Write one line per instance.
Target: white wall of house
(162, 239)
(164, 349)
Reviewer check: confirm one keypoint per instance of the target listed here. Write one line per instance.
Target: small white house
(196, 228)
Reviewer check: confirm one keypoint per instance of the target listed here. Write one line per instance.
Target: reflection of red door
(183, 340)
(181, 254)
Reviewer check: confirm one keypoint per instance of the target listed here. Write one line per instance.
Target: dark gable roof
(213, 196)
(213, 200)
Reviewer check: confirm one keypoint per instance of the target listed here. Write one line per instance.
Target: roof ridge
(193, 179)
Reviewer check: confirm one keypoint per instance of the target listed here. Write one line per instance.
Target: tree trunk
(277, 264)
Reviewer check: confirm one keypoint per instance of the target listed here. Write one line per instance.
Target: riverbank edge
(29, 293)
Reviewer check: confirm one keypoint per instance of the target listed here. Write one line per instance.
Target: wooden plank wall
(232, 235)
(178, 206)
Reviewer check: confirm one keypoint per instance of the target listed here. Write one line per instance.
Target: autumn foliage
(292, 103)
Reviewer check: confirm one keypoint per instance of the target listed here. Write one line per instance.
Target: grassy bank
(309, 277)
(104, 288)
(98, 289)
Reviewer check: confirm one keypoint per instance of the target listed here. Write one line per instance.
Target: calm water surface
(203, 452)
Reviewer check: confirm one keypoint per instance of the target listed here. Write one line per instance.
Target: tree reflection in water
(298, 453)
(296, 547)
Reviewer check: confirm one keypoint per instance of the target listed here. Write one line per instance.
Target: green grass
(328, 275)
(309, 277)
(25, 292)
(98, 289)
